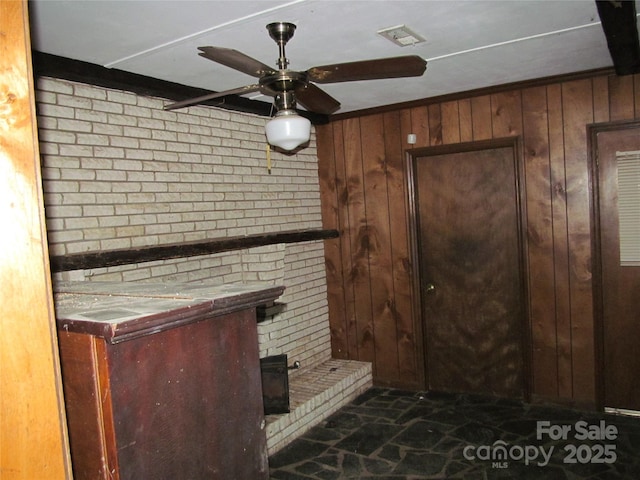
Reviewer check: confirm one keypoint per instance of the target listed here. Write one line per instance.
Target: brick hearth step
(315, 394)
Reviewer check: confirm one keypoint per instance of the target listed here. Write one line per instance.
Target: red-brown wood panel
(600, 99)
(577, 110)
(345, 242)
(620, 91)
(466, 123)
(358, 276)
(552, 121)
(329, 192)
(435, 125)
(507, 114)
(559, 227)
(450, 122)
(410, 369)
(375, 234)
(419, 126)
(540, 241)
(481, 117)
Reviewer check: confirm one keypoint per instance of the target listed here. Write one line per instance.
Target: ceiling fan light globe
(288, 131)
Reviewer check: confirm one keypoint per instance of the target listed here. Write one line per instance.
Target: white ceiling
(469, 44)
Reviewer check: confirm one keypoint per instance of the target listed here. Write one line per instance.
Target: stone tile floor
(388, 434)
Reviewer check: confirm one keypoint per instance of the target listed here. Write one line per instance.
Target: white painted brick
(107, 106)
(82, 90)
(74, 125)
(166, 177)
(57, 111)
(84, 246)
(99, 119)
(110, 175)
(126, 98)
(115, 243)
(128, 143)
(92, 139)
(160, 155)
(107, 128)
(109, 152)
(54, 85)
(121, 120)
(125, 165)
(137, 111)
(136, 132)
(78, 103)
(155, 103)
(77, 174)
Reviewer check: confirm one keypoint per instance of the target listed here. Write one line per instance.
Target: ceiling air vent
(401, 35)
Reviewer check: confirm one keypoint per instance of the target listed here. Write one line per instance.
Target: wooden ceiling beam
(619, 22)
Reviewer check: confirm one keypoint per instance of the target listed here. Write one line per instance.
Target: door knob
(429, 287)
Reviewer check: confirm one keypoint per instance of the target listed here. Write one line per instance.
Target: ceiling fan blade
(316, 100)
(404, 66)
(210, 96)
(236, 60)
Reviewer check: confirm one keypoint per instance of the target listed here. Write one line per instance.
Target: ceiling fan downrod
(281, 32)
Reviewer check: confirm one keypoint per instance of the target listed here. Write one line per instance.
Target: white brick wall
(120, 172)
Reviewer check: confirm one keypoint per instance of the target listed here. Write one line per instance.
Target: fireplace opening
(275, 383)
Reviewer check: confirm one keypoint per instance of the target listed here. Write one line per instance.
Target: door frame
(596, 248)
(515, 143)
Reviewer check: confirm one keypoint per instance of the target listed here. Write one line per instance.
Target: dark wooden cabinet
(163, 382)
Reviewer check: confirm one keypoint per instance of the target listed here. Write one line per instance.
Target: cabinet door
(187, 402)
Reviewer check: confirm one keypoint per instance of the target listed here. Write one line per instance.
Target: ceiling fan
(287, 86)
(290, 87)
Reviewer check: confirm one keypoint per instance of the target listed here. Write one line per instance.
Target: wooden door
(472, 286)
(619, 286)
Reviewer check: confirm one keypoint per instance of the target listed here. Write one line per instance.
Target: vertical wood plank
(540, 243)
(420, 126)
(481, 117)
(466, 121)
(435, 124)
(410, 368)
(450, 122)
(359, 275)
(332, 247)
(620, 91)
(578, 112)
(33, 436)
(560, 241)
(601, 99)
(376, 235)
(350, 321)
(506, 110)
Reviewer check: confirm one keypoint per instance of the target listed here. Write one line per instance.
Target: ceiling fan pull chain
(268, 158)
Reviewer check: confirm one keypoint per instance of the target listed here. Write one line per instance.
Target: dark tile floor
(389, 434)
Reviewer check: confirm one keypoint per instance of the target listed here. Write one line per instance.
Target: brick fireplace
(119, 172)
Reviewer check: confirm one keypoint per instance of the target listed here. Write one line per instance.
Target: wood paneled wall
(365, 196)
